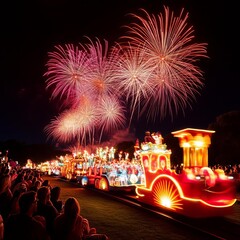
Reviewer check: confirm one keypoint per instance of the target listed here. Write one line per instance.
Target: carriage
(197, 190)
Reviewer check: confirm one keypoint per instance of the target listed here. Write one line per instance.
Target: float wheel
(166, 194)
(104, 184)
(96, 183)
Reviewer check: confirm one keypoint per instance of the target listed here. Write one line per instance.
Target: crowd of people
(30, 208)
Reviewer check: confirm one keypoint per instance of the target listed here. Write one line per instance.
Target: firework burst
(84, 76)
(112, 115)
(67, 71)
(167, 44)
(74, 124)
(152, 71)
(101, 81)
(63, 127)
(133, 72)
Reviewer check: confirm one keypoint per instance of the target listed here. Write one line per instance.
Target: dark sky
(31, 29)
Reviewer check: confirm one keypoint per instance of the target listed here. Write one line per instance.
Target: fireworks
(63, 127)
(83, 77)
(133, 72)
(87, 120)
(166, 44)
(67, 71)
(151, 71)
(101, 82)
(112, 115)
(74, 124)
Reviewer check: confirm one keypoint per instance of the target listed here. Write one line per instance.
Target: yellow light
(198, 143)
(133, 178)
(166, 202)
(103, 186)
(186, 145)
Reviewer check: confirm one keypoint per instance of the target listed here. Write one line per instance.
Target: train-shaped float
(197, 191)
(117, 175)
(103, 171)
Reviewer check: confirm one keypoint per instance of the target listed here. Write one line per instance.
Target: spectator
(45, 208)
(46, 183)
(1, 227)
(34, 180)
(15, 199)
(70, 225)
(20, 179)
(36, 186)
(13, 174)
(55, 195)
(23, 225)
(5, 195)
(29, 180)
(38, 176)
(4, 168)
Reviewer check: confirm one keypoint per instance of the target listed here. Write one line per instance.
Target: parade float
(108, 173)
(102, 170)
(194, 190)
(197, 190)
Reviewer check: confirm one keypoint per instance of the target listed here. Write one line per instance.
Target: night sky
(31, 29)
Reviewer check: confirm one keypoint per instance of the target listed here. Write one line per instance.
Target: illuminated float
(197, 191)
(51, 167)
(118, 174)
(74, 168)
(102, 171)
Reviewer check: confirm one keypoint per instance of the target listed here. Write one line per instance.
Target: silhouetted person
(1, 227)
(36, 186)
(46, 183)
(23, 225)
(70, 225)
(15, 200)
(5, 195)
(45, 207)
(55, 195)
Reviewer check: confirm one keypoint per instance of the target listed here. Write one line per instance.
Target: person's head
(28, 202)
(13, 171)
(19, 178)
(22, 187)
(30, 177)
(71, 207)
(5, 182)
(37, 184)
(34, 179)
(46, 183)
(43, 194)
(55, 192)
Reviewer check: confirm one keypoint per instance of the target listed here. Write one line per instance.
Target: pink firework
(154, 69)
(111, 115)
(85, 77)
(74, 124)
(167, 44)
(87, 120)
(101, 82)
(62, 128)
(133, 71)
(67, 71)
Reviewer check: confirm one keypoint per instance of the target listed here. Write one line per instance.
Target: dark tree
(225, 145)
